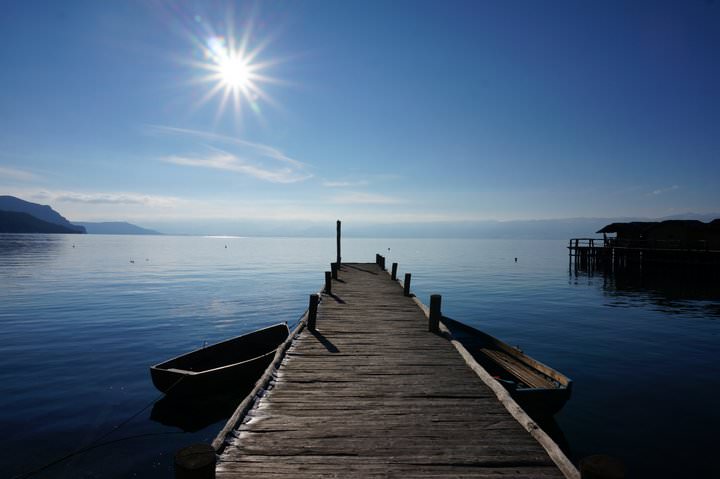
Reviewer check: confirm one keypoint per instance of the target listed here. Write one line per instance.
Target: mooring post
(377, 259)
(338, 243)
(601, 466)
(382, 262)
(195, 462)
(312, 311)
(328, 282)
(435, 313)
(334, 270)
(393, 274)
(406, 285)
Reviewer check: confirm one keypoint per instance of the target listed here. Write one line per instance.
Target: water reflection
(45, 245)
(553, 429)
(676, 293)
(192, 414)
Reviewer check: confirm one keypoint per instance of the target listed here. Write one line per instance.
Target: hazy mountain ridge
(490, 229)
(26, 217)
(17, 222)
(41, 212)
(115, 228)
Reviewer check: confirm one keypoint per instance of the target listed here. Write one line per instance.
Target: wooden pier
(371, 392)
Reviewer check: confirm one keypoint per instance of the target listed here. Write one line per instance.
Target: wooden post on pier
(312, 311)
(339, 260)
(382, 262)
(328, 282)
(334, 270)
(195, 462)
(435, 313)
(393, 274)
(406, 285)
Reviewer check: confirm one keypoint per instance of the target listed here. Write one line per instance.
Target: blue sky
(385, 112)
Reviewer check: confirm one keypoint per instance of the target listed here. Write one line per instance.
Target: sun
(230, 68)
(234, 72)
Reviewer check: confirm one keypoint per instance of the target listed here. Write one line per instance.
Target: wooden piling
(393, 274)
(195, 462)
(435, 314)
(328, 282)
(339, 259)
(312, 311)
(334, 270)
(406, 285)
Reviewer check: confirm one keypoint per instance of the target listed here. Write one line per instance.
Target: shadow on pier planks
(373, 394)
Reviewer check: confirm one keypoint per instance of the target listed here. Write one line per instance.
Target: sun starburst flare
(232, 70)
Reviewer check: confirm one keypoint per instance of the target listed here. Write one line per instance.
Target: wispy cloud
(357, 198)
(16, 174)
(240, 156)
(662, 191)
(223, 160)
(110, 198)
(344, 184)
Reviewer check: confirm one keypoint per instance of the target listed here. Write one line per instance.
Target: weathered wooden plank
(372, 393)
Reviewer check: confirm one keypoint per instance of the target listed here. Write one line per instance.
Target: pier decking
(372, 393)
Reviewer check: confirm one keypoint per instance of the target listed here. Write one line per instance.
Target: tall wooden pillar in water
(338, 243)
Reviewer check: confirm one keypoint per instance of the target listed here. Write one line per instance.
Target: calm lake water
(83, 317)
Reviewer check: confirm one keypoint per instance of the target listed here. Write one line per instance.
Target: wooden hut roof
(631, 227)
(687, 224)
(713, 226)
(640, 227)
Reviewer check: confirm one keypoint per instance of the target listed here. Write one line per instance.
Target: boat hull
(221, 367)
(540, 390)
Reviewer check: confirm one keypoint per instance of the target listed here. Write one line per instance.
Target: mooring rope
(97, 442)
(298, 320)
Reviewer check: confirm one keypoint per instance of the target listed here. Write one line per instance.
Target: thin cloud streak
(266, 150)
(223, 160)
(17, 174)
(661, 191)
(240, 156)
(344, 184)
(357, 198)
(94, 198)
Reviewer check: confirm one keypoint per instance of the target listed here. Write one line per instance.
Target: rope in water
(97, 442)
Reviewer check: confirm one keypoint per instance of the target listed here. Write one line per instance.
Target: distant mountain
(41, 212)
(115, 228)
(705, 217)
(16, 222)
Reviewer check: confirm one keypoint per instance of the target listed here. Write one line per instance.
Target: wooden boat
(537, 388)
(223, 366)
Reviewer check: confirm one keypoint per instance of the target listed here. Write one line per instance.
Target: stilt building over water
(651, 246)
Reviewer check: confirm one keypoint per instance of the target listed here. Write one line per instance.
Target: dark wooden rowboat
(220, 367)
(538, 389)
